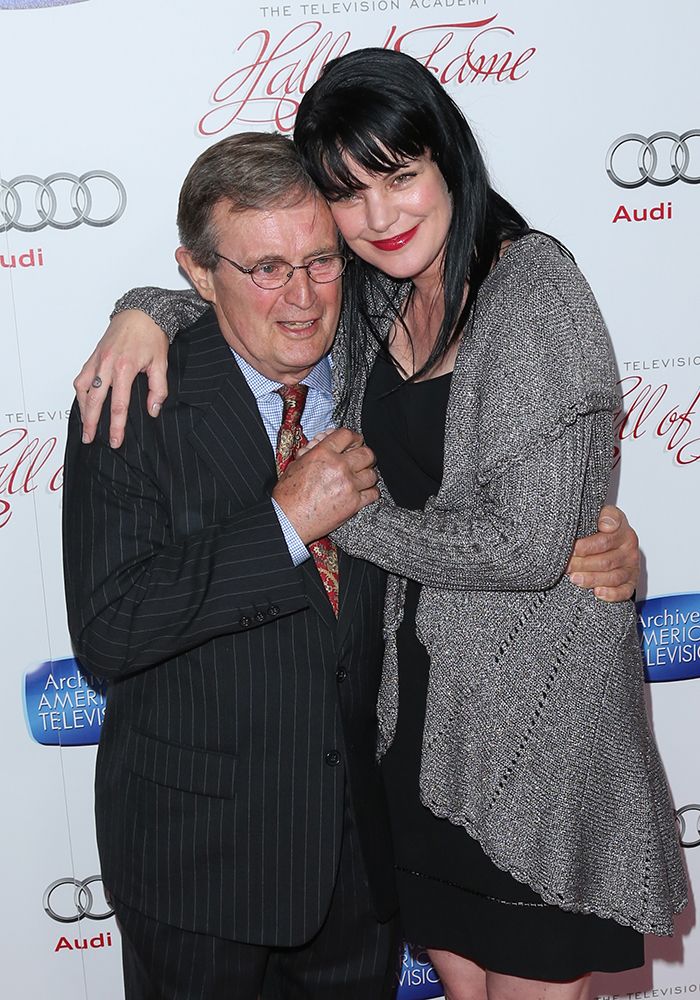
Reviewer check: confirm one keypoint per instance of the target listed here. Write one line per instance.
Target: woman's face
(398, 222)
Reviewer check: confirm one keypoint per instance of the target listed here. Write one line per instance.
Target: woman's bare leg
(500, 987)
(461, 979)
(465, 980)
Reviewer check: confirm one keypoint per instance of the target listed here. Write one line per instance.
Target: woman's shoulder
(535, 249)
(537, 300)
(538, 268)
(539, 345)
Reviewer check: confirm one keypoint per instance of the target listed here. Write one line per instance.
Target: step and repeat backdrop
(589, 117)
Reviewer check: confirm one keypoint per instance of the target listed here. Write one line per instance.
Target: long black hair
(380, 108)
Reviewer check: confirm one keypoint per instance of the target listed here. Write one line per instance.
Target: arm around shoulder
(133, 343)
(170, 309)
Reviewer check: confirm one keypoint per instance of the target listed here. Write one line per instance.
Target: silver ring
(96, 382)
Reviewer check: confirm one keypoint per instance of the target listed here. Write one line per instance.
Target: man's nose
(299, 290)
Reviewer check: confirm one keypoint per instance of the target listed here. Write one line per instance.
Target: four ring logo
(62, 200)
(661, 159)
(689, 816)
(70, 899)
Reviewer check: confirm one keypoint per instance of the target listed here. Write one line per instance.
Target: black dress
(451, 895)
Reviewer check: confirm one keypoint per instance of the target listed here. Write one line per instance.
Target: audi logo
(68, 900)
(29, 203)
(685, 816)
(661, 159)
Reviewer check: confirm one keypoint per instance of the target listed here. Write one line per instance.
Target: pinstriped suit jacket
(239, 707)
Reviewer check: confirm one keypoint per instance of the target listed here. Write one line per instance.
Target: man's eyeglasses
(276, 273)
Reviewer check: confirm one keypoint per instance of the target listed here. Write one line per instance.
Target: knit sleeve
(171, 309)
(518, 535)
(529, 434)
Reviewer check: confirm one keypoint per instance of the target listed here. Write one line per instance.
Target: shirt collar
(319, 378)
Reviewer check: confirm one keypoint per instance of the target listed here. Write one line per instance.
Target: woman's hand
(133, 343)
(608, 562)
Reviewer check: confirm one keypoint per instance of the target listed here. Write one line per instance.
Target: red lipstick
(395, 242)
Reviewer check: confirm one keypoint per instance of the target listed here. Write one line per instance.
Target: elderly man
(240, 814)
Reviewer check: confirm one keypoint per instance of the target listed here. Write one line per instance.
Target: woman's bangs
(333, 168)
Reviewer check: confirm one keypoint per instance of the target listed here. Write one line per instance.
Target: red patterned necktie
(290, 439)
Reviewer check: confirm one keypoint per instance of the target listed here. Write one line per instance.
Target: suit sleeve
(512, 526)
(136, 595)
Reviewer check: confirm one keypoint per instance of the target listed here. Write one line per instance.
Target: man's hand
(132, 344)
(608, 562)
(328, 484)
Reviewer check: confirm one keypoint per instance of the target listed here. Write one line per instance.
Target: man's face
(281, 332)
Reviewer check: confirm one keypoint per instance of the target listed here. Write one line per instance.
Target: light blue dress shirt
(317, 417)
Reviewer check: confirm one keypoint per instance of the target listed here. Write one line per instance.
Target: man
(240, 816)
(241, 821)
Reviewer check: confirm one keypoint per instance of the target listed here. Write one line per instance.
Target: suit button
(244, 621)
(332, 758)
(260, 616)
(273, 610)
(341, 675)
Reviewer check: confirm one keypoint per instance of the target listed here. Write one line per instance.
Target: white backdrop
(130, 93)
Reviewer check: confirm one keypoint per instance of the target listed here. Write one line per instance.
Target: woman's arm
(532, 414)
(134, 342)
(516, 534)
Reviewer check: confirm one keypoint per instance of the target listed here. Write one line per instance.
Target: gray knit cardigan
(536, 737)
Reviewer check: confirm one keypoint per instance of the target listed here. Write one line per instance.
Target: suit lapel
(352, 578)
(317, 593)
(230, 436)
(231, 439)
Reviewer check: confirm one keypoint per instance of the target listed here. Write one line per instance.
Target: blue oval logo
(670, 633)
(64, 705)
(418, 980)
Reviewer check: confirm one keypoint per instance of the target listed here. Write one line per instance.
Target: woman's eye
(403, 178)
(347, 198)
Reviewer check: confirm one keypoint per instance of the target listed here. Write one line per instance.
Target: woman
(534, 832)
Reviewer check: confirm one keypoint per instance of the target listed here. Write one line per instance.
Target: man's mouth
(395, 242)
(299, 325)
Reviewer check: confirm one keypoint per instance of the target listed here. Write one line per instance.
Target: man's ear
(201, 277)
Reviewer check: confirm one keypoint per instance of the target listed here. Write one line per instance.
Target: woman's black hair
(380, 108)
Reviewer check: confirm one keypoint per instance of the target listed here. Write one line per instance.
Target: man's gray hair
(250, 171)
